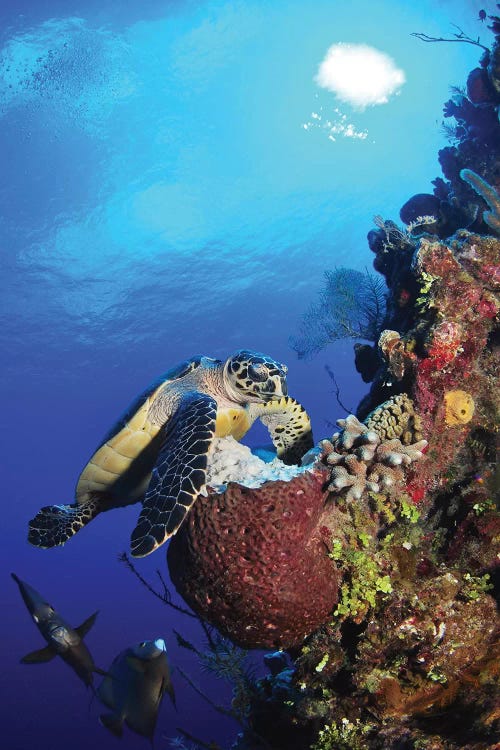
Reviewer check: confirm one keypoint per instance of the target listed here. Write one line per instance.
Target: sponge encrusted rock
(252, 561)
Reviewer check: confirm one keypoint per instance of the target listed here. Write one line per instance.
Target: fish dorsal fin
(84, 628)
(38, 657)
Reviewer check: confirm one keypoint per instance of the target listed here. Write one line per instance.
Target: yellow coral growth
(458, 407)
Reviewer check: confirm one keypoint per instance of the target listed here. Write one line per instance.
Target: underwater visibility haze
(177, 178)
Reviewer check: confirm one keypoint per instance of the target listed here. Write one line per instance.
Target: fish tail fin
(55, 524)
(112, 722)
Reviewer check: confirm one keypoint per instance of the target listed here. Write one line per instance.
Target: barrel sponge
(252, 561)
(458, 407)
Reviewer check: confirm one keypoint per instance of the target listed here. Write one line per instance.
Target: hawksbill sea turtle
(157, 452)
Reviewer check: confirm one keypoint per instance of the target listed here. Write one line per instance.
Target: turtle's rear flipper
(55, 524)
(179, 472)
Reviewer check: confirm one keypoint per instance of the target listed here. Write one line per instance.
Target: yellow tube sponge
(458, 407)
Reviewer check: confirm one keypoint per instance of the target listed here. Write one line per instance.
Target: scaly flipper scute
(55, 524)
(290, 428)
(179, 472)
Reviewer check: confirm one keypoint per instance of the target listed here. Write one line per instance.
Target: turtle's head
(251, 376)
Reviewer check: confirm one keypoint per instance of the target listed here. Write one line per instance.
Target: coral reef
(409, 657)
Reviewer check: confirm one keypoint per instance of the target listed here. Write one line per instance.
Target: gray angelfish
(134, 687)
(62, 639)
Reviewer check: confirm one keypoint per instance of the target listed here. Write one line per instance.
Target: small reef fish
(62, 639)
(134, 687)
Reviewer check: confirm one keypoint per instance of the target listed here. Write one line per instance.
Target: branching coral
(488, 193)
(363, 461)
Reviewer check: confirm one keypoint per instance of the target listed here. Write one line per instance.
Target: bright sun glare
(359, 75)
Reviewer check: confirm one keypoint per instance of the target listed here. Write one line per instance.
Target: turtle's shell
(123, 461)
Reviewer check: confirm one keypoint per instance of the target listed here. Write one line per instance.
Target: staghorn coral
(363, 461)
(488, 193)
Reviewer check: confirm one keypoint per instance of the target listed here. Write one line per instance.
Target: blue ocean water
(175, 181)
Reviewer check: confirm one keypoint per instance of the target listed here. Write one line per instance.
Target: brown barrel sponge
(252, 562)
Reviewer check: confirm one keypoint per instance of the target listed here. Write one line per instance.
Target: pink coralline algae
(253, 562)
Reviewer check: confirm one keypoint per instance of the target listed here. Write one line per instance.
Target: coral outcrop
(361, 461)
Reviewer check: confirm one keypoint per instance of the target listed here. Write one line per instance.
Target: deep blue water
(174, 182)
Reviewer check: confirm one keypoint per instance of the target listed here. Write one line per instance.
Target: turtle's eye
(257, 372)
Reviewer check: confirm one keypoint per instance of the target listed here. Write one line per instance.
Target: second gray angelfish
(134, 687)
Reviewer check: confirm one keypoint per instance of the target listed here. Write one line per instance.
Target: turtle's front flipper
(55, 524)
(179, 472)
(290, 428)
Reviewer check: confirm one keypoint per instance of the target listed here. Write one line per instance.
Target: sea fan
(352, 304)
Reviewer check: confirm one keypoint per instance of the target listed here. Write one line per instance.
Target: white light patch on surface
(336, 125)
(359, 75)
